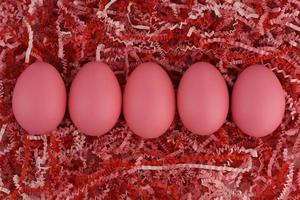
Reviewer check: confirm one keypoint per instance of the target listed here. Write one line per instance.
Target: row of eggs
(149, 102)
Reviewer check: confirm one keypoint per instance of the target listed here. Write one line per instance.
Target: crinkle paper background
(174, 33)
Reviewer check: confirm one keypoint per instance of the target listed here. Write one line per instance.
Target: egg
(149, 101)
(202, 99)
(258, 101)
(39, 99)
(95, 99)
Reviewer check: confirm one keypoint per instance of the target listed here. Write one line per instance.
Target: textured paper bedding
(228, 164)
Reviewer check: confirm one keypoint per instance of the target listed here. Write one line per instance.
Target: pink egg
(39, 98)
(149, 101)
(258, 101)
(95, 99)
(202, 99)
